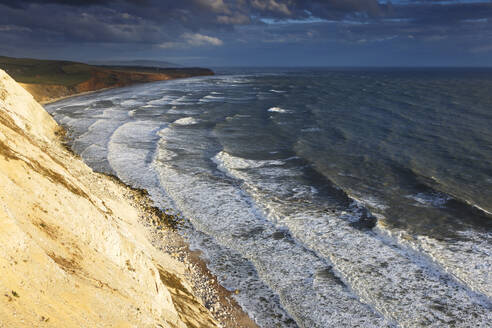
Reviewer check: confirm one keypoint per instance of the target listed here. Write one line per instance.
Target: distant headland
(49, 80)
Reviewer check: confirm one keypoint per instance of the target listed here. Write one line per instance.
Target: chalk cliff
(72, 252)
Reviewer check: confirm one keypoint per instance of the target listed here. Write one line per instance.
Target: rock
(74, 235)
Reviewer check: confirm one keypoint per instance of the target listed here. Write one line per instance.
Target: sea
(327, 197)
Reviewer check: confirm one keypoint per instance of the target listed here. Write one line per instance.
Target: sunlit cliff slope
(72, 253)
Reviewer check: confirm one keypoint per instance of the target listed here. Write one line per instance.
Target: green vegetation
(171, 71)
(26, 70)
(69, 74)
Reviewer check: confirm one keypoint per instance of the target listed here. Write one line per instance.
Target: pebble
(170, 242)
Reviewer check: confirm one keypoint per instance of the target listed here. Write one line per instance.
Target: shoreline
(84, 93)
(46, 102)
(164, 236)
(53, 100)
(162, 233)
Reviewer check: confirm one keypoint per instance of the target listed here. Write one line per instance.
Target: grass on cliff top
(26, 70)
(67, 73)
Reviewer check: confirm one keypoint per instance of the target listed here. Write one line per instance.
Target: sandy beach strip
(164, 236)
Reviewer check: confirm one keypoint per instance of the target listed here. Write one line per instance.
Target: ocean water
(328, 198)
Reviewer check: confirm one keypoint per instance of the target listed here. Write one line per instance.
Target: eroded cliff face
(99, 80)
(106, 78)
(72, 253)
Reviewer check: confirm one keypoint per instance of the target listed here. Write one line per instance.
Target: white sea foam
(237, 273)
(95, 157)
(278, 110)
(131, 102)
(183, 100)
(186, 121)
(478, 207)
(225, 160)
(99, 132)
(369, 201)
(164, 100)
(130, 154)
(430, 199)
(388, 278)
(219, 209)
(180, 111)
(473, 249)
(210, 98)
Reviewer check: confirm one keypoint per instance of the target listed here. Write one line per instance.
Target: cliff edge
(49, 80)
(72, 252)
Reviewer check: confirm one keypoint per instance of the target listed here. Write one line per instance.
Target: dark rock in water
(277, 235)
(327, 274)
(254, 231)
(283, 234)
(366, 222)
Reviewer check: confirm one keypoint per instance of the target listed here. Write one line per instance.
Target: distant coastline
(51, 80)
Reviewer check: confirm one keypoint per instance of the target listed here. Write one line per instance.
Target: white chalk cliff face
(72, 253)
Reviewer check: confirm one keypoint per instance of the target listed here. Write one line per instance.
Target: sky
(252, 32)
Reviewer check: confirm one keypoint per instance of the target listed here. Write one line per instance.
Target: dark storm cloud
(25, 3)
(185, 24)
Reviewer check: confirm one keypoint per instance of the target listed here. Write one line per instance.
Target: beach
(80, 248)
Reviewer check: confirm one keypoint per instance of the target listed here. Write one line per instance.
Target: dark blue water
(328, 197)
